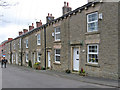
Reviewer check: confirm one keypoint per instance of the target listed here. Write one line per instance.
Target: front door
(12, 58)
(16, 59)
(76, 59)
(49, 59)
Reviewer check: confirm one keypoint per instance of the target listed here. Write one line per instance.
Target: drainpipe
(21, 52)
(10, 53)
(45, 45)
(69, 55)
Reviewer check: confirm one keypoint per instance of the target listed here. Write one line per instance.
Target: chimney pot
(51, 15)
(32, 24)
(64, 3)
(67, 4)
(20, 33)
(40, 23)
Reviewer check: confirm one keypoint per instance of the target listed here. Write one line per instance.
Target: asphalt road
(15, 77)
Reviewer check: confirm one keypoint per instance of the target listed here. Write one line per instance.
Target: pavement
(71, 76)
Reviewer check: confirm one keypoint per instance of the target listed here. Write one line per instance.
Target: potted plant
(37, 66)
(82, 72)
(43, 68)
(67, 71)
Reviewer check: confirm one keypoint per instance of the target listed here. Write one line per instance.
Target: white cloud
(27, 11)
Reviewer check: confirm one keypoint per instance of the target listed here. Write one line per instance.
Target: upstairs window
(14, 46)
(57, 55)
(92, 22)
(26, 43)
(57, 34)
(93, 54)
(38, 39)
(20, 43)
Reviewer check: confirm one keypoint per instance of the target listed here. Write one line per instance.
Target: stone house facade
(86, 37)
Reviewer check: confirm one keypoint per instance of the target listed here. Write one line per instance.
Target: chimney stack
(9, 39)
(20, 33)
(38, 24)
(25, 30)
(31, 27)
(49, 18)
(66, 9)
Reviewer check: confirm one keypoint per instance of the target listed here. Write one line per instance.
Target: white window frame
(38, 39)
(20, 43)
(97, 53)
(92, 22)
(26, 43)
(57, 55)
(38, 57)
(26, 57)
(14, 46)
(57, 33)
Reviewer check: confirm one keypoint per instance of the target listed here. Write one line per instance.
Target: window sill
(92, 65)
(38, 62)
(90, 33)
(57, 63)
(57, 41)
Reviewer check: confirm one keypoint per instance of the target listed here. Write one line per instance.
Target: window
(38, 39)
(57, 34)
(93, 54)
(20, 43)
(26, 57)
(14, 46)
(27, 43)
(57, 55)
(38, 56)
(92, 22)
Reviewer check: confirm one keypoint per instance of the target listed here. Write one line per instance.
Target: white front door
(16, 59)
(12, 58)
(49, 59)
(76, 59)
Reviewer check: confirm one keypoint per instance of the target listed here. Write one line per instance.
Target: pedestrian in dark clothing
(4, 61)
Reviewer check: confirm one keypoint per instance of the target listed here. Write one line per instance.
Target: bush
(30, 63)
(68, 71)
(82, 72)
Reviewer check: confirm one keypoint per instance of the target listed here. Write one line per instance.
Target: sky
(22, 13)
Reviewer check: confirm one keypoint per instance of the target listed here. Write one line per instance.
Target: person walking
(4, 61)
